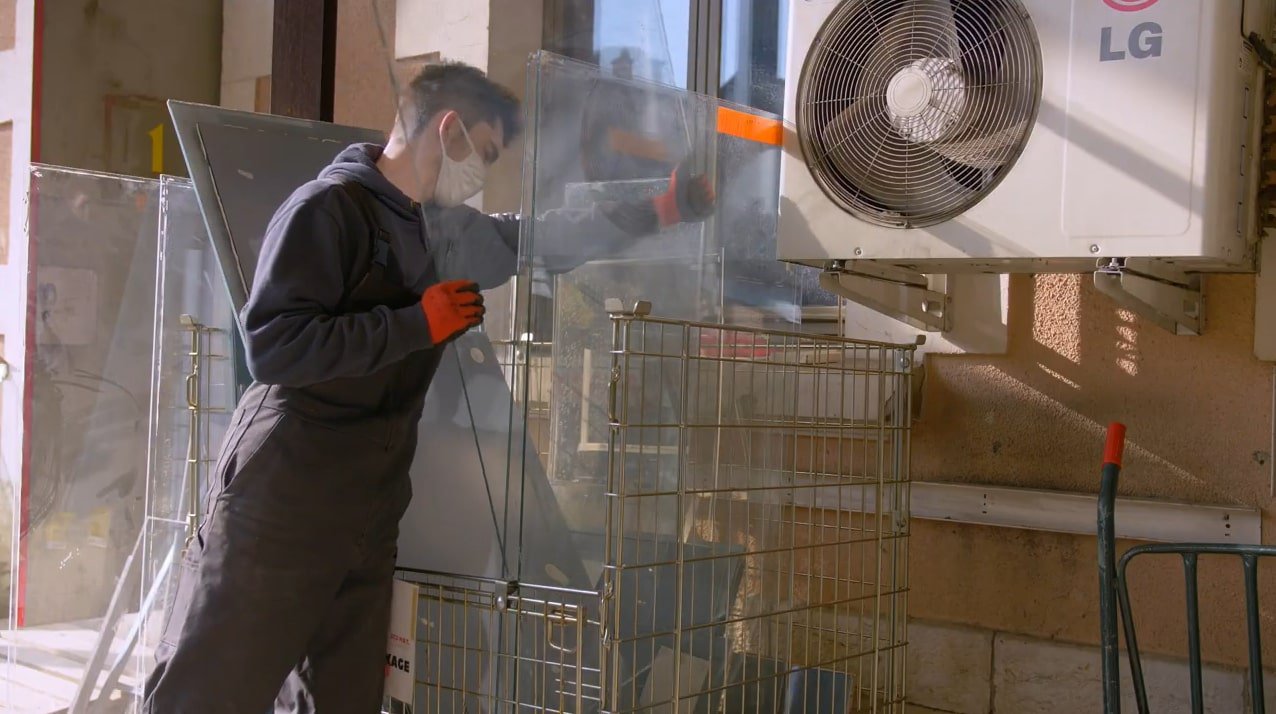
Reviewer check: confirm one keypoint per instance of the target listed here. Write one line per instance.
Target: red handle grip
(1115, 446)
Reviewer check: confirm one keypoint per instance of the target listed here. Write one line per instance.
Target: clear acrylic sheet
(81, 506)
(194, 394)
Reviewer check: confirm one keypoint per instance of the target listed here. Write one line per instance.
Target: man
(365, 275)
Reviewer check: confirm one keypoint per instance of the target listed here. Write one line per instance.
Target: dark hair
(441, 86)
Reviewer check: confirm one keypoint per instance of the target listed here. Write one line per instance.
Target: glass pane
(643, 39)
(193, 383)
(79, 519)
(243, 166)
(578, 253)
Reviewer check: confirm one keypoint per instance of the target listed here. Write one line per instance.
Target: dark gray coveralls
(288, 579)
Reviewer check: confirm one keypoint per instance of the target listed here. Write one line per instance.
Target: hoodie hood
(358, 162)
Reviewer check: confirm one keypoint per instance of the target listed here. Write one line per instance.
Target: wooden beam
(304, 59)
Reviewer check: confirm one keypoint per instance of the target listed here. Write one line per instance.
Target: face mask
(459, 180)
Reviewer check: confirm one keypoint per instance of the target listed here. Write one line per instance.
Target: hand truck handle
(1113, 450)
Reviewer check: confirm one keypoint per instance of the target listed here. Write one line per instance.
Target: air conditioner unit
(956, 136)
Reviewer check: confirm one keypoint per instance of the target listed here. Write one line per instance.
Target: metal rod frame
(1114, 604)
(717, 563)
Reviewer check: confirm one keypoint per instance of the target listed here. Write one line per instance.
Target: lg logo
(1130, 5)
(1144, 40)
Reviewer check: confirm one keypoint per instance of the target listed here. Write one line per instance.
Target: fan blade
(981, 149)
(920, 29)
(947, 44)
(997, 108)
(901, 175)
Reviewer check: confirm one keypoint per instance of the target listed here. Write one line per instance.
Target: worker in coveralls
(284, 593)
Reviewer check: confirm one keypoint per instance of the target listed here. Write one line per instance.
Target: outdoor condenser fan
(910, 111)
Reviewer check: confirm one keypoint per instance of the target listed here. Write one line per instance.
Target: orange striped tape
(752, 127)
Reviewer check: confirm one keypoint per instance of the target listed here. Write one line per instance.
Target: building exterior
(1005, 619)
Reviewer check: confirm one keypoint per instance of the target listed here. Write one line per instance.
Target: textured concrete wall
(970, 671)
(109, 67)
(247, 40)
(1200, 420)
(366, 95)
(8, 24)
(457, 30)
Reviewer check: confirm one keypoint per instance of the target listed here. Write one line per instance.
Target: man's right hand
(451, 308)
(690, 197)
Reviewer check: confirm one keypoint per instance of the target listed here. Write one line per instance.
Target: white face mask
(460, 180)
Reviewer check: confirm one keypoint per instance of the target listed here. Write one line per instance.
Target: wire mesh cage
(755, 541)
(764, 556)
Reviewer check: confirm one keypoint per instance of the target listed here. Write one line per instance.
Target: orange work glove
(690, 197)
(451, 308)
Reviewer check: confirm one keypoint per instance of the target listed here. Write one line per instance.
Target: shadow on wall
(1199, 413)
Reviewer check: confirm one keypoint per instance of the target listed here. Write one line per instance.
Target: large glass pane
(243, 166)
(576, 256)
(194, 394)
(81, 508)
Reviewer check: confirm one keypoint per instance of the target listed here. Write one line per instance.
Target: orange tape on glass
(752, 127)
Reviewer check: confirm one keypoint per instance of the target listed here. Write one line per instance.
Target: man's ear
(447, 124)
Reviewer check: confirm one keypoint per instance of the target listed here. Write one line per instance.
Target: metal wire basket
(755, 541)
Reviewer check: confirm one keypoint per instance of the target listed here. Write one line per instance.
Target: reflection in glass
(640, 39)
(754, 37)
(752, 67)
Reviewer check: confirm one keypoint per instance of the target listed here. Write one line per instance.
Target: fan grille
(911, 111)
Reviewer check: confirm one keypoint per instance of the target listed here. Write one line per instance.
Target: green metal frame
(1114, 598)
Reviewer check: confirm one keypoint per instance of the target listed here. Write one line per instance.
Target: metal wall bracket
(918, 300)
(1168, 298)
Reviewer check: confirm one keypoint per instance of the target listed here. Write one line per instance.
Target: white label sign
(400, 659)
